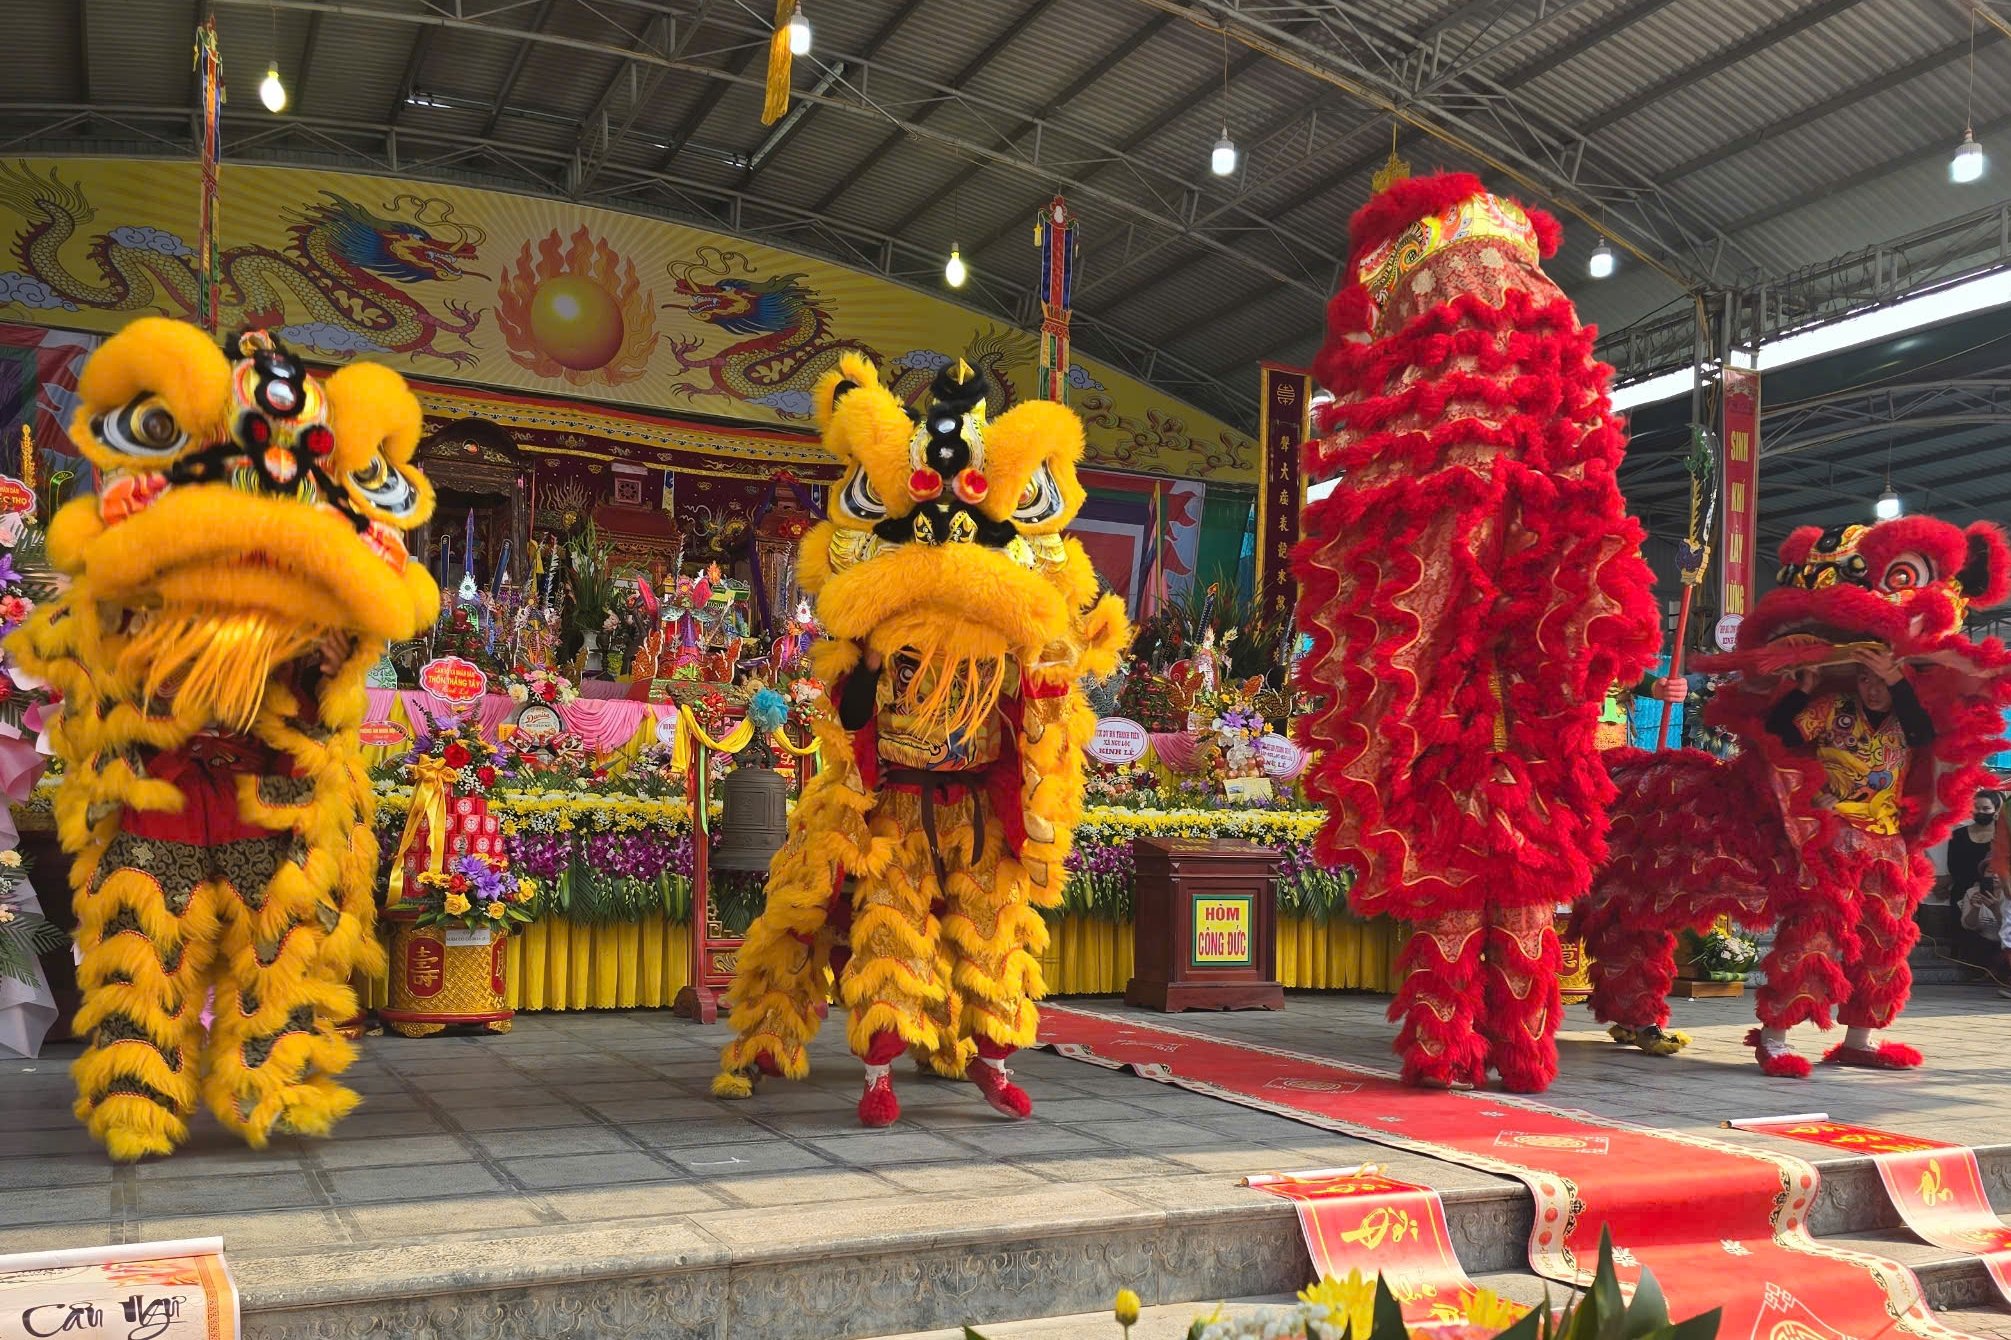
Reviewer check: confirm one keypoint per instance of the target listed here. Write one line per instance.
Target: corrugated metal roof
(1736, 140)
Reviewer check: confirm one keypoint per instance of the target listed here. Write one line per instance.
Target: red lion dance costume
(1472, 587)
(1844, 780)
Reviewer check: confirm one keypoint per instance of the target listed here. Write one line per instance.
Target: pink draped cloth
(602, 724)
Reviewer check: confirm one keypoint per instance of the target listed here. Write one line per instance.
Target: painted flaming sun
(577, 311)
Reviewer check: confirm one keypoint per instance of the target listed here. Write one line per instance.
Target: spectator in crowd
(1974, 887)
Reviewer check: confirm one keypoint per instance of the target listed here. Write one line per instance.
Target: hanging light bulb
(1602, 262)
(1888, 507)
(1223, 160)
(1968, 163)
(956, 272)
(271, 92)
(799, 33)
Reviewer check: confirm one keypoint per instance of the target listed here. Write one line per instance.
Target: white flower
(519, 694)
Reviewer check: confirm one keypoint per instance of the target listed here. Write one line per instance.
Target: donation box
(1205, 926)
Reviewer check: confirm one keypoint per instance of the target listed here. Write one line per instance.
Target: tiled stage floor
(588, 1143)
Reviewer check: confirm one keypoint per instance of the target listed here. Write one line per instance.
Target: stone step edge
(1239, 1249)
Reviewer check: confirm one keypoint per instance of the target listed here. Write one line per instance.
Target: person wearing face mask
(1974, 887)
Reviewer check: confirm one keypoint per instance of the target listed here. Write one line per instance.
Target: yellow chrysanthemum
(457, 903)
(1126, 1308)
(1488, 1309)
(1350, 1302)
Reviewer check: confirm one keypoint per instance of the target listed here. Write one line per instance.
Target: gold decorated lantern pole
(1693, 556)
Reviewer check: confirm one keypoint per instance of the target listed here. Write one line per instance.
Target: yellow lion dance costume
(918, 859)
(239, 570)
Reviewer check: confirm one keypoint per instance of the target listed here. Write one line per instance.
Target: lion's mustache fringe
(963, 693)
(212, 661)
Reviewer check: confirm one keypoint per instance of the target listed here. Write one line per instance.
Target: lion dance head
(944, 550)
(1903, 587)
(241, 566)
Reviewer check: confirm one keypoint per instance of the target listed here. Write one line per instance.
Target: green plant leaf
(970, 1334)
(1532, 1326)
(1389, 1315)
(1649, 1312)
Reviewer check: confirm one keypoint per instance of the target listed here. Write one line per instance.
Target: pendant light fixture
(270, 91)
(1968, 163)
(1222, 162)
(956, 272)
(799, 32)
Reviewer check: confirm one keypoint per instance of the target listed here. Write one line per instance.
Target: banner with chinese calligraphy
(159, 1290)
(1284, 423)
(1737, 567)
(1356, 1219)
(1937, 1188)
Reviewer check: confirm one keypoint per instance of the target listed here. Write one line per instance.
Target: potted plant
(591, 586)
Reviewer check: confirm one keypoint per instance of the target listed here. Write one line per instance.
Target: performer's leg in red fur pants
(1633, 965)
(1441, 1002)
(1523, 1002)
(1880, 978)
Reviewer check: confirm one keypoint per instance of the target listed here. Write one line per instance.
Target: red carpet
(1937, 1188)
(1720, 1227)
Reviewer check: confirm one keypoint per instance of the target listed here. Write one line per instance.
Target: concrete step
(823, 1272)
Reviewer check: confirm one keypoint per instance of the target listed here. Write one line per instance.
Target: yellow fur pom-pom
(727, 1084)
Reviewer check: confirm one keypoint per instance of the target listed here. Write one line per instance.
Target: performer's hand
(1671, 690)
(1879, 661)
(334, 651)
(874, 660)
(1808, 680)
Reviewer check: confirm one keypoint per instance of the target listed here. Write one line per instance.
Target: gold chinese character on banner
(1380, 1223)
(1934, 1191)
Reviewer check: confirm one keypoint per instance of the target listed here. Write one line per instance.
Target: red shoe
(1885, 1056)
(878, 1106)
(1780, 1063)
(995, 1083)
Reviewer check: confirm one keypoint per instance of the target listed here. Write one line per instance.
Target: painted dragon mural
(790, 342)
(349, 270)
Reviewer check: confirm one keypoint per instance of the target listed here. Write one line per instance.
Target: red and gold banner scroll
(178, 1290)
(1284, 423)
(1738, 568)
(1937, 1188)
(1356, 1219)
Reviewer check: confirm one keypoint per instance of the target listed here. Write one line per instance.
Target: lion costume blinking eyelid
(960, 620)
(239, 569)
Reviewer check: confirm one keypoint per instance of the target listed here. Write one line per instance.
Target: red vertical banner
(1283, 424)
(1737, 566)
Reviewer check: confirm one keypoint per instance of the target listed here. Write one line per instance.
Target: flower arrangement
(1359, 1309)
(590, 585)
(26, 580)
(540, 685)
(24, 936)
(1724, 955)
(475, 891)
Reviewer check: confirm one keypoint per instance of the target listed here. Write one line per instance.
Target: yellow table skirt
(555, 965)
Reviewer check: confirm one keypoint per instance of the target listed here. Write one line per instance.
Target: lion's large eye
(145, 427)
(1909, 572)
(859, 500)
(1039, 501)
(385, 489)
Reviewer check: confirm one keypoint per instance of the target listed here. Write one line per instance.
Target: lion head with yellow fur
(945, 540)
(247, 516)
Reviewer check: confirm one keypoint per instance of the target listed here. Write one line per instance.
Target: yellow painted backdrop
(544, 296)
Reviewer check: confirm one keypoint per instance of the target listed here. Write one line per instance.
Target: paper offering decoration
(140, 1291)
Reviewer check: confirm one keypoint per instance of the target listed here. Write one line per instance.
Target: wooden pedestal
(1205, 933)
(1697, 988)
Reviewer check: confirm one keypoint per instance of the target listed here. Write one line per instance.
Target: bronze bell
(753, 818)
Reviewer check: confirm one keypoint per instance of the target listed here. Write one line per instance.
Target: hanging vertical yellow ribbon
(776, 99)
(430, 781)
